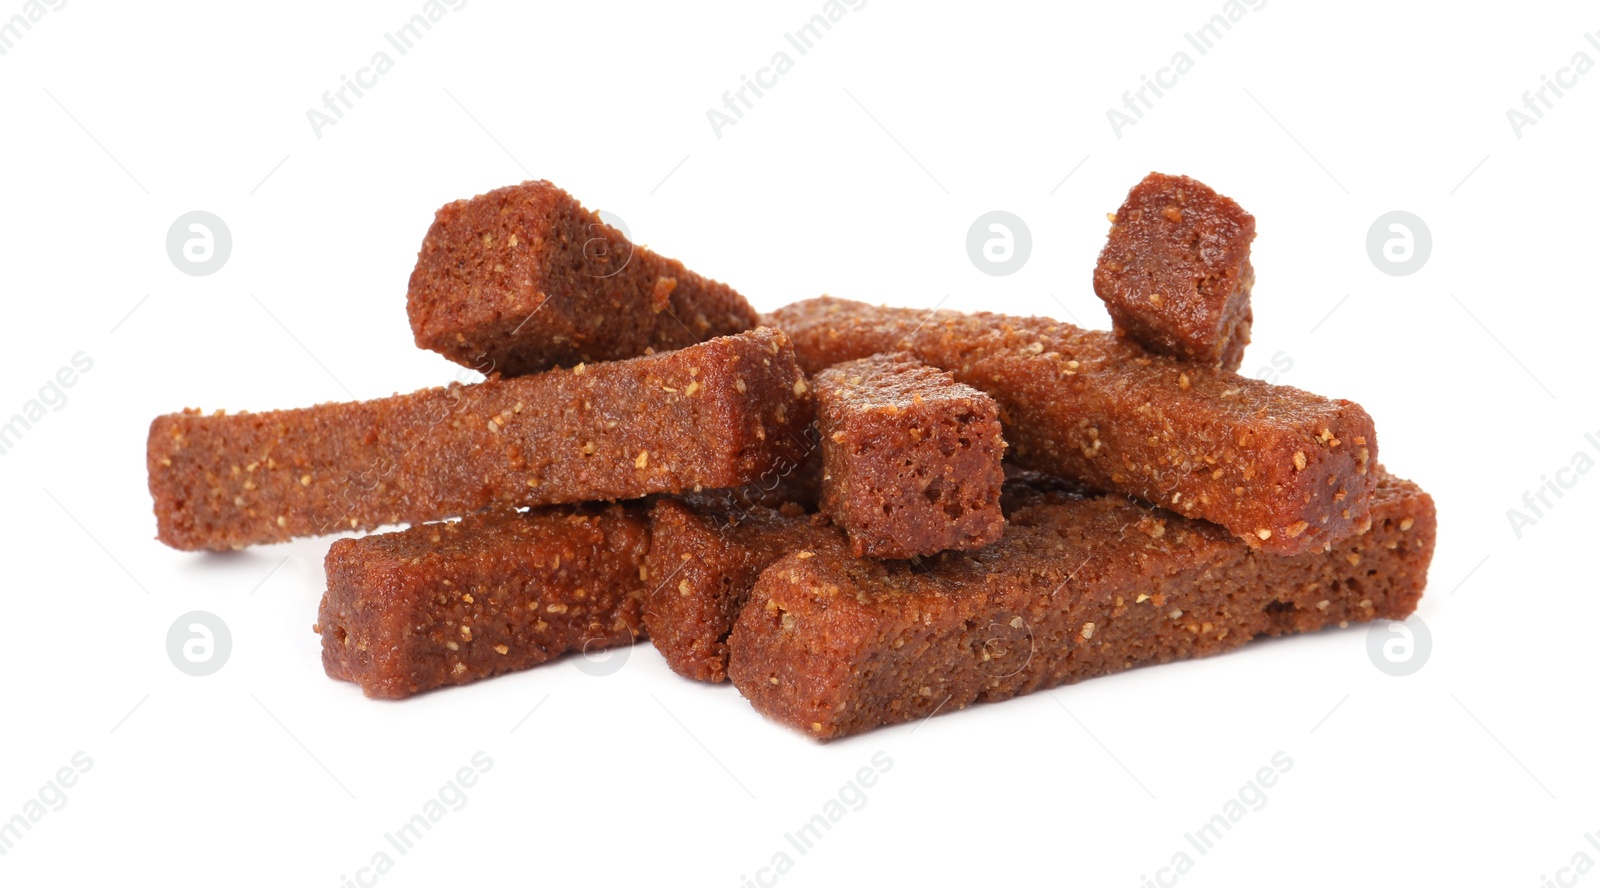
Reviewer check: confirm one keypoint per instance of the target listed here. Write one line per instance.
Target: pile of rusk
(860, 515)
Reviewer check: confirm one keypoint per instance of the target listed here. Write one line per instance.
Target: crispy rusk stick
(1078, 588)
(522, 279)
(451, 603)
(719, 414)
(1279, 467)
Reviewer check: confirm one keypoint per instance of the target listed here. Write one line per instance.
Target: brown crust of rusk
(1282, 468)
(453, 603)
(1077, 589)
(1175, 272)
(789, 482)
(911, 458)
(702, 566)
(718, 414)
(524, 278)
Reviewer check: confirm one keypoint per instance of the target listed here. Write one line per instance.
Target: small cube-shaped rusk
(1078, 588)
(723, 413)
(1175, 273)
(524, 278)
(910, 458)
(702, 565)
(452, 603)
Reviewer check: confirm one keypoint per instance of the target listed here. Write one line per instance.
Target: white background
(857, 175)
